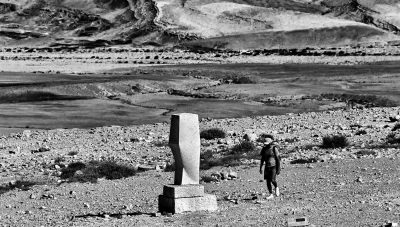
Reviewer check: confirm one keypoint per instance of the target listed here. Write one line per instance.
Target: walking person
(270, 156)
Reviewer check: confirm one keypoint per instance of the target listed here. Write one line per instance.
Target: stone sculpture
(186, 194)
(184, 142)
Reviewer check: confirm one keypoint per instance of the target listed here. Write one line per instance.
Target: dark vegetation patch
(365, 152)
(239, 80)
(335, 141)
(393, 119)
(40, 150)
(291, 140)
(161, 143)
(306, 147)
(361, 132)
(393, 138)
(365, 100)
(309, 147)
(304, 161)
(231, 157)
(93, 170)
(191, 94)
(212, 133)
(209, 179)
(355, 126)
(243, 147)
(7, 8)
(396, 127)
(72, 153)
(59, 160)
(36, 96)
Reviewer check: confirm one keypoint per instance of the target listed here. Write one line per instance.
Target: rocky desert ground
(87, 89)
(76, 149)
(57, 178)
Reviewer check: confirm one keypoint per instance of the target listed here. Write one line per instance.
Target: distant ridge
(172, 22)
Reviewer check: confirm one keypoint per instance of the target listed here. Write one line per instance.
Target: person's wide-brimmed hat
(268, 141)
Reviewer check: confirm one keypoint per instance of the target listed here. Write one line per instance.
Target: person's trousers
(270, 177)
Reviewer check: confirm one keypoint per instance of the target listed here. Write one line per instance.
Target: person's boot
(277, 191)
(271, 196)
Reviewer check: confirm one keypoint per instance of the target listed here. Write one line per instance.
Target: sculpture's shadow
(23, 185)
(112, 215)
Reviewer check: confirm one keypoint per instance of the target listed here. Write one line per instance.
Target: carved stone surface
(184, 142)
(180, 205)
(183, 191)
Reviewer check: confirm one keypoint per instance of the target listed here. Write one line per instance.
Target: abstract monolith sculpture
(186, 194)
(184, 141)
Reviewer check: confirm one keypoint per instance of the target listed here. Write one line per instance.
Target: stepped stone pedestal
(186, 195)
(186, 198)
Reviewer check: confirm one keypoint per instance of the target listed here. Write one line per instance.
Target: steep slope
(388, 10)
(383, 14)
(321, 37)
(160, 22)
(293, 5)
(225, 24)
(226, 18)
(97, 19)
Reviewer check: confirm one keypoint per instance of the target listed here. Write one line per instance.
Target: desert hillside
(161, 22)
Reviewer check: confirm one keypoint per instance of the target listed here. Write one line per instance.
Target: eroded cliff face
(122, 19)
(353, 10)
(145, 12)
(127, 21)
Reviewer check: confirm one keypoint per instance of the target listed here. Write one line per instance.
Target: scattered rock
(250, 137)
(41, 150)
(359, 179)
(232, 174)
(224, 175)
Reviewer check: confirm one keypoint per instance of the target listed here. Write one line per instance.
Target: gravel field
(354, 186)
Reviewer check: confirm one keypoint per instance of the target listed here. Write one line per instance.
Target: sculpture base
(175, 200)
(183, 191)
(181, 205)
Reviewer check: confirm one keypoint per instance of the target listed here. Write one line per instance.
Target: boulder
(232, 174)
(250, 137)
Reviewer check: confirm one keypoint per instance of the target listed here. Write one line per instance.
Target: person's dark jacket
(270, 155)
